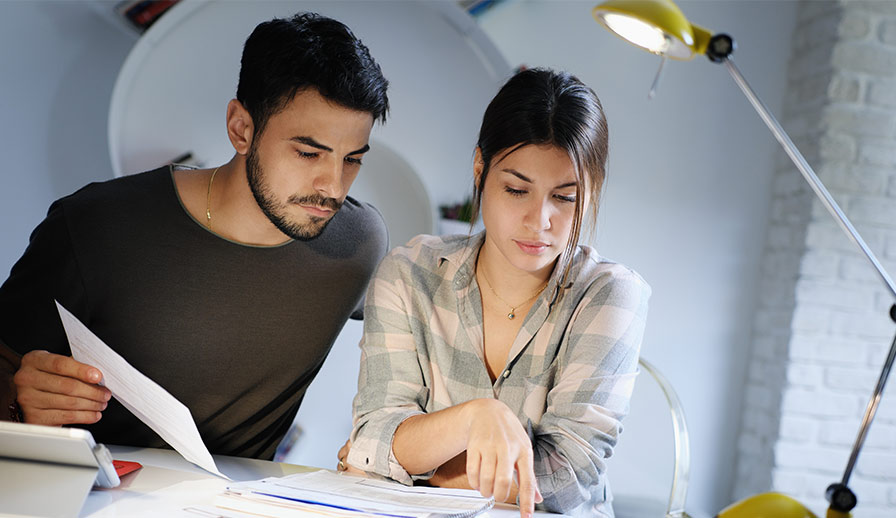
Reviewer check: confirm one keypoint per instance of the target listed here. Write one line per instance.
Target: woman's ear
(239, 127)
(478, 167)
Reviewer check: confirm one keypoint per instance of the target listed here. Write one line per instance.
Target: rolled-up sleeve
(590, 395)
(390, 385)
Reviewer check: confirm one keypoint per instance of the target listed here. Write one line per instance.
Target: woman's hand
(498, 448)
(343, 464)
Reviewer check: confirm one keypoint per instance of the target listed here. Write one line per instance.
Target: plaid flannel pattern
(569, 375)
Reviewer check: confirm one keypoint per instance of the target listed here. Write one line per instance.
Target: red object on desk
(123, 467)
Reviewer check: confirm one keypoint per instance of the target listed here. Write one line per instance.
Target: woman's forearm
(424, 442)
(496, 445)
(452, 474)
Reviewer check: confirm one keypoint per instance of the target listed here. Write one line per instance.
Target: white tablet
(57, 445)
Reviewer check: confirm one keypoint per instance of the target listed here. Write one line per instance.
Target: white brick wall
(821, 329)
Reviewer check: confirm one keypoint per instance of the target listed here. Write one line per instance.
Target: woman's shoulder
(430, 251)
(426, 261)
(592, 273)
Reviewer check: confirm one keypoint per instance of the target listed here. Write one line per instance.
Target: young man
(226, 286)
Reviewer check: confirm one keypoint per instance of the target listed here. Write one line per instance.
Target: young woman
(504, 361)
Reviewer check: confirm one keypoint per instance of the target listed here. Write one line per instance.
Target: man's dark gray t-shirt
(235, 332)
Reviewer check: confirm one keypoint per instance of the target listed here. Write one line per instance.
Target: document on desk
(152, 404)
(327, 493)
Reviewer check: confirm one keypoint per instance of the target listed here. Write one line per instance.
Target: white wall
(58, 63)
(688, 193)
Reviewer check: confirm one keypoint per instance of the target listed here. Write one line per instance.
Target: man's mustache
(316, 200)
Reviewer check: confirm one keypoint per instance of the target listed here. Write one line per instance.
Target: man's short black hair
(285, 56)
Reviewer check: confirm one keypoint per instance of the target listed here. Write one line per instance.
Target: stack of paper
(324, 493)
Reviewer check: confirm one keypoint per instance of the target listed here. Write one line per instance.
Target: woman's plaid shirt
(568, 378)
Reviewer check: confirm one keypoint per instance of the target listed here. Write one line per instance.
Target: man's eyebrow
(308, 141)
(364, 149)
(525, 178)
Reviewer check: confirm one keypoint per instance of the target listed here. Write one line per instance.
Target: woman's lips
(531, 247)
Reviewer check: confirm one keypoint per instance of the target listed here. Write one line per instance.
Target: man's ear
(239, 127)
(478, 167)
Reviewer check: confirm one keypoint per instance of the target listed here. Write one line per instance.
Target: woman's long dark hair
(549, 108)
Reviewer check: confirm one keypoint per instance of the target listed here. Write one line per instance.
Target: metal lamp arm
(808, 174)
(720, 48)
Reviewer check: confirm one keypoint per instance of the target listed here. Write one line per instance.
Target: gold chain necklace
(512, 313)
(208, 199)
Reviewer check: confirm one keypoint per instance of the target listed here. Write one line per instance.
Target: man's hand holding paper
(57, 390)
(151, 403)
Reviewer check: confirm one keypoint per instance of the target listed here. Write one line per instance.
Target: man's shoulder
(124, 191)
(360, 221)
(355, 211)
(358, 231)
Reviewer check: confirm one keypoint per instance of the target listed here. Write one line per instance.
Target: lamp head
(657, 26)
(767, 505)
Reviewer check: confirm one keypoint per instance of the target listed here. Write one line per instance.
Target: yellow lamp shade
(657, 26)
(767, 505)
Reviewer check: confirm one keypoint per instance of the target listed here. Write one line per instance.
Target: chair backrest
(650, 466)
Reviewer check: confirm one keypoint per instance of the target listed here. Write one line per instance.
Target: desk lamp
(659, 27)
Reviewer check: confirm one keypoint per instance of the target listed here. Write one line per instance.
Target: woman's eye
(567, 199)
(514, 192)
(305, 154)
(352, 160)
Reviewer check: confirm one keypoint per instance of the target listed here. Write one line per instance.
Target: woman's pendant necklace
(512, 314)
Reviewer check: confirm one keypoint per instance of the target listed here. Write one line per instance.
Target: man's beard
(276, 211)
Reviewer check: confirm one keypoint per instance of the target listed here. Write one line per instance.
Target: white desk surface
(167, 483)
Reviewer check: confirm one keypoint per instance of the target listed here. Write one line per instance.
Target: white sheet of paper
(152, 404)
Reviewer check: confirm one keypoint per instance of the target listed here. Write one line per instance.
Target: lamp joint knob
(720, 48)
(840, 497)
